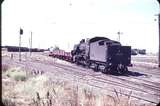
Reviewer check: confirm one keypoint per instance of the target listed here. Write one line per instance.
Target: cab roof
(97, 39)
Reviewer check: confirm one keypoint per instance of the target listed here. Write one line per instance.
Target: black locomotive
(101, 53)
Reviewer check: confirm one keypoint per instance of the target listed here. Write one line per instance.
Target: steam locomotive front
(80, 52)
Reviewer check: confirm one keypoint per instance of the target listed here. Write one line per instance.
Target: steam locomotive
(99, 53)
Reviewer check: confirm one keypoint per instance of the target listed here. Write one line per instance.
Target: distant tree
(51, 49)
(56, 47)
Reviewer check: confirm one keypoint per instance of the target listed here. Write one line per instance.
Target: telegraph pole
(31, 44)
(119, 37)
(159, 36)
(159, 40)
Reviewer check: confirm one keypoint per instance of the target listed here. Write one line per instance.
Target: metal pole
(159, 35)
(19, 47)
(159, 40)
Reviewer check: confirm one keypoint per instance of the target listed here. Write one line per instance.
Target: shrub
(17, 74)
(5, 67)
(8, 102)
(20, 78)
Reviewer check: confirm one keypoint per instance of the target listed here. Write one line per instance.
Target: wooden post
(31, 45)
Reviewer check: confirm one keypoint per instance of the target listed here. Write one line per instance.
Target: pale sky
(66, 22)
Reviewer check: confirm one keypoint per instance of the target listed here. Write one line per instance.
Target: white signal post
(20, 33)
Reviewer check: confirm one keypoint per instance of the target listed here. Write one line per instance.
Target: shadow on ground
(129, 73)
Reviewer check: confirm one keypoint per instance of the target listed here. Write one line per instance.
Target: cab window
(101, 43)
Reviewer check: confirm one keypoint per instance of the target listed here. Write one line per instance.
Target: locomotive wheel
(125, 70)
(105, 71)
(113, 70)
(121, 69)
(96, 68)
(88, 64)
(77, 62)
(84, 64)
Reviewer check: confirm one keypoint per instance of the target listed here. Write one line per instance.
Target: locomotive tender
(101, 54)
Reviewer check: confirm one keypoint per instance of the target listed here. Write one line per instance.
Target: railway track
(149, 89)
(146, 83)
(102, 82)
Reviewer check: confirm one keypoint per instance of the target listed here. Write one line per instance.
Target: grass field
(21, 88)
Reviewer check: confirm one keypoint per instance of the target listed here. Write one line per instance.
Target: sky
(65, 22)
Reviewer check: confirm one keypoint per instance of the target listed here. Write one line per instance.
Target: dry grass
(16, 73)
(5, 67)
(8, 102)
(40, 90)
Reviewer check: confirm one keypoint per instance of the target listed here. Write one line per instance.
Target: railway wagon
(68, 56)
(61, 54)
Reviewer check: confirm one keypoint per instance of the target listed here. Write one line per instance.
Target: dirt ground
(30, 82)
